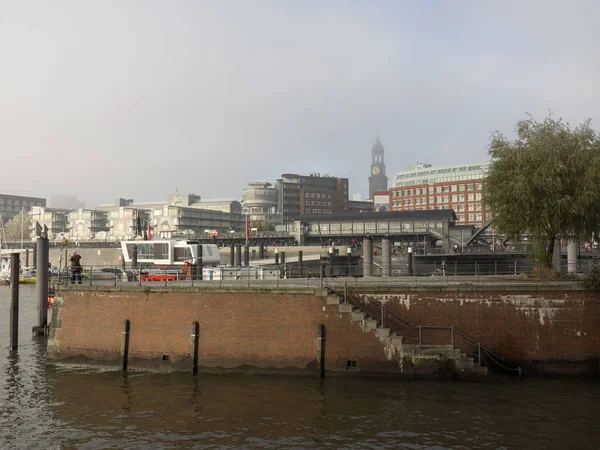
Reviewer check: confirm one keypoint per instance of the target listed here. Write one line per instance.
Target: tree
(263, 226)
(12, 228)
(546, 183)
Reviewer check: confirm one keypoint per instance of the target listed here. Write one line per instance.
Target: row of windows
(438, 199)
(317, 195)
(20, 203)
(312, 202)
(437, 189)
(319, 211)
(436, 180)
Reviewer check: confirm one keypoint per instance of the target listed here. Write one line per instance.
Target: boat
(171, 252)
(28, 278)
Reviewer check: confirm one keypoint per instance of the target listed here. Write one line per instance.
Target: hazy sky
(112, 99)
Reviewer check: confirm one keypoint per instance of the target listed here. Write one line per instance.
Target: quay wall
(546, 330)
(240, 330)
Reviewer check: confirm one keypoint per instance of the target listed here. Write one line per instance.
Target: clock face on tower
(375, 170)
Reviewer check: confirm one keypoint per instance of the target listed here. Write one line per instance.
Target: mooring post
(42, 283)
(232, 255)
(299, 263)
(26, 257)
(14, 301)
(196, 337)
(320, 350)
(125, 344)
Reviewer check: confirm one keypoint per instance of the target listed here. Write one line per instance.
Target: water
(63, 407)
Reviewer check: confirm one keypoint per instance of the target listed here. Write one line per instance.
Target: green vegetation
(546, 182)
(12, 228)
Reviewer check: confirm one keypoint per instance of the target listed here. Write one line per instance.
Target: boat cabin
(169, 252)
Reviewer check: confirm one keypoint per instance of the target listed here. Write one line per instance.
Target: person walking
(75, 268)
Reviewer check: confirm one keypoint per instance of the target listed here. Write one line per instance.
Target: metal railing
(413, 334)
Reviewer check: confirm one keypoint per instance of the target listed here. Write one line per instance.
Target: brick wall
(555, 331)
(252, 330)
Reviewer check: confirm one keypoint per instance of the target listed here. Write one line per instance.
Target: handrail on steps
(385, 311)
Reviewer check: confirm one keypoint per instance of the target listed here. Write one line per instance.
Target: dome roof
(377, 146)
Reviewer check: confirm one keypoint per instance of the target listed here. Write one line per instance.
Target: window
(430, 200)
(455, 198)
(445, 199)
(438, 189)
(471, 197)
(431, 189)
(438, 199)
(469, 187)
(478, 217)
(478, 196)
(454, 188)
(471, 207)
(461, 187)
(471, 217)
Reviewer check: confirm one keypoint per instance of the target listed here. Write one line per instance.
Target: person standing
(75, 268)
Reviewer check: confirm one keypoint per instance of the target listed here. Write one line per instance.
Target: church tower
(378, 181)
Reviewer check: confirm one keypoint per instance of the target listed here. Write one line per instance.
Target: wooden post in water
(14, 301)
(125, 344)
(196, 336)
(320, 350)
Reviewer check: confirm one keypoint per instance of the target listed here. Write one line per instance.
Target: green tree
(546, 182)
(263, 226)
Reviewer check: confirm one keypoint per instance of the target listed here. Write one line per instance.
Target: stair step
(333, 299)
(382, 332)
(345, 308)
(357, 316)
(369, 324)
(396, 341)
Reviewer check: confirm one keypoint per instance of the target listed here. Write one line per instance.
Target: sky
(135, 99)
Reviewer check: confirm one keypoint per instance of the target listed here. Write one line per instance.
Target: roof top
(384, 215)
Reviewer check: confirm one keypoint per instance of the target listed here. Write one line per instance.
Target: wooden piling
(320, 350)
(125, 344)
(196, 336)
(14, 301)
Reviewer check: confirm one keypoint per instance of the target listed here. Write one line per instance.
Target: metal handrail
(388, 312)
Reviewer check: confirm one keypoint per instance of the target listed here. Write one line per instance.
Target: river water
(46, 406)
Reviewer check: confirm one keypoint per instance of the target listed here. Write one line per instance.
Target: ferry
(171, 252)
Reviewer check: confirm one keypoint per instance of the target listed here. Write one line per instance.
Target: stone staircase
(412, 358)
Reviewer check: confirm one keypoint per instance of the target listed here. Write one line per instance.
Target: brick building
(458, 187)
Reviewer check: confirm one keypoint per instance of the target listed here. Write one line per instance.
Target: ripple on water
(83, 407)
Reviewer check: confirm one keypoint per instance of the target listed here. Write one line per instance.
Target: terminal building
(259, 202)
(459, 187)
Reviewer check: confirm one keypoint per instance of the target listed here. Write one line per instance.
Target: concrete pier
(386, 257)
(367, 257)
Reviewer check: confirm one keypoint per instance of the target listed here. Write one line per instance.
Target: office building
(458, 187)
(11, 205)
(310, 194)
